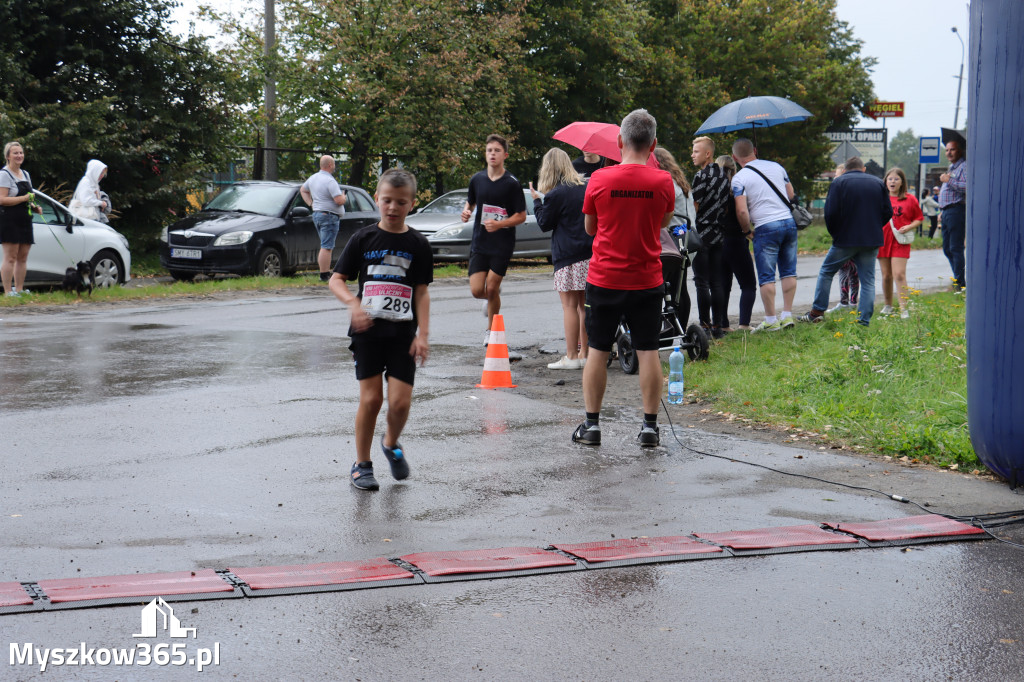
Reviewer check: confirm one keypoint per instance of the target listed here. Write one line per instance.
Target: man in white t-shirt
(758, 206)
(323, 193)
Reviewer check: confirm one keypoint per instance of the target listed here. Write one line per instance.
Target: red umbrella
(596, 138)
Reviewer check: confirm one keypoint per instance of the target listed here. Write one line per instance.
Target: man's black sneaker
(588, 435)
(396, 458)
(362, 476)
(648, 436)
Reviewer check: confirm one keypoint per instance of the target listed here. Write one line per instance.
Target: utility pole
(960, 81)
(269, 93)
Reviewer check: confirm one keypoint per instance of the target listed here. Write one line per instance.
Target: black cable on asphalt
(996, 519)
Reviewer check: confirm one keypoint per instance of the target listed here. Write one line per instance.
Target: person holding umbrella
(953, 202)
(559, 210)
(756, 189)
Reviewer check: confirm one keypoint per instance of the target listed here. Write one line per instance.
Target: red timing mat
(336, 573)
(908, 528)
(774, 538)
(486, 560)
(13, 594)
(143, 585)
(619, 550)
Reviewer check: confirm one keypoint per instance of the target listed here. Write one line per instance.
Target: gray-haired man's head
(639, 130)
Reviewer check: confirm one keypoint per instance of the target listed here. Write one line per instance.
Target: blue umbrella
(753, 112)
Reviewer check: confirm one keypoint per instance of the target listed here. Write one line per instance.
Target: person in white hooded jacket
(86, 202)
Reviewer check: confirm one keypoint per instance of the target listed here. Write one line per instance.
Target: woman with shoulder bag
(895, 251)
(17, 203)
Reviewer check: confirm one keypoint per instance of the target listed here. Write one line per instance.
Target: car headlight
(163, 236)
(448, 232)
(233, 238)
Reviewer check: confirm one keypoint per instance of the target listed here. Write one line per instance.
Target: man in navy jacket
(857, 209)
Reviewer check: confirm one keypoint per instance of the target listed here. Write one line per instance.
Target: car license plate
(194, 254)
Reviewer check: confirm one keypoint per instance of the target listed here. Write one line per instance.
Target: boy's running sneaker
(362, 476)
(396, 458)
(648, 436)
(587, 435)
(766, 327)
(787, 323)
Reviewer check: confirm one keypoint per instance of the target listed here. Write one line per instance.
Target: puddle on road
(103, 361)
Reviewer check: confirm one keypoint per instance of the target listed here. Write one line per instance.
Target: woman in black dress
(16, 206)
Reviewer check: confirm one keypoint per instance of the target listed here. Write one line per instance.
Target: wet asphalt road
(218, 434)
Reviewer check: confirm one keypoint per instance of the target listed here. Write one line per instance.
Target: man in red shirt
(625, 208)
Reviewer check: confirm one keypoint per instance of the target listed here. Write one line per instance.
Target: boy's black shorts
(641, 308)
(375, 354)
(482, 262)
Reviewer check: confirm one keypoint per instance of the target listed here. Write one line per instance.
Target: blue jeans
(954, 233)
(864, 257)
(775, 244)
(327, 224)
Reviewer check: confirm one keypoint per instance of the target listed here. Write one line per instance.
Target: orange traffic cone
(497, 371)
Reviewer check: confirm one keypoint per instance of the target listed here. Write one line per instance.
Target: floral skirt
(572, 277)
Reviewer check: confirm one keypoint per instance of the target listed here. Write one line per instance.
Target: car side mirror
(300, 212)
(69, 221)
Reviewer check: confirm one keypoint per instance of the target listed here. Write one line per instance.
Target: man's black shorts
(375, 354)
(641, 308)
(482, 262)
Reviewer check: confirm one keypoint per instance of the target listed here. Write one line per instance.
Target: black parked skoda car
(256, 228)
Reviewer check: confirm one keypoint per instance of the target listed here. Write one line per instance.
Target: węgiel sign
(884, 110)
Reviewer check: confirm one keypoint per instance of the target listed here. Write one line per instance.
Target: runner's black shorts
(641, 308)
(383, 354)
(482, 262)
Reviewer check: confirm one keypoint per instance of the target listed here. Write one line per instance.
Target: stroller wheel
(627, 355)
(696, 342)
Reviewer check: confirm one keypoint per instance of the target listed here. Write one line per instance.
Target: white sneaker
(12, 293)
(840, 307)
(565, 363)
(583, 362)
(886, 310)
(904, 313)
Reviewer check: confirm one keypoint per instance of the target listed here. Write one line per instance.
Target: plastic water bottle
(675, 376)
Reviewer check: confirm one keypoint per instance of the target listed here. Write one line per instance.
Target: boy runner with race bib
(497, 200)
(390, 319)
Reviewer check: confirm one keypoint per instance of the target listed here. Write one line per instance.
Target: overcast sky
(918, 55)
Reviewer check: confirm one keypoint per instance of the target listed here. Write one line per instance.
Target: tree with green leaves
(107, 79)
(423, 82)
(904, 152)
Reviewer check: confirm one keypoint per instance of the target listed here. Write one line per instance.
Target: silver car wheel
(106, 270)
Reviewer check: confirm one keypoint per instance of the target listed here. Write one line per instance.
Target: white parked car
(62, 240)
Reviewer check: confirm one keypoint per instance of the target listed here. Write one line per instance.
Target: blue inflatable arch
(995, 236)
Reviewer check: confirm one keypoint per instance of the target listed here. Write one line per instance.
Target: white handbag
(901, 237)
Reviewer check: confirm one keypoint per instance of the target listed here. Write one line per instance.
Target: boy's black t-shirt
(388, 266)
(495, 200)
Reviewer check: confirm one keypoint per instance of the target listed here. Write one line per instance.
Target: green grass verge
(816, 240)
(205, 287)
(898, 387)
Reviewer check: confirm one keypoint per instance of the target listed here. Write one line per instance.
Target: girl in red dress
(892, 257)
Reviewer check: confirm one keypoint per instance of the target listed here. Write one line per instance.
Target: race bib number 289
(388, 301)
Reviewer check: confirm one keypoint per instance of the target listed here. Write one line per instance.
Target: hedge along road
(211, 434)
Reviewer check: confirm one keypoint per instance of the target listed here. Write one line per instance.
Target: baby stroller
(675, 311)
